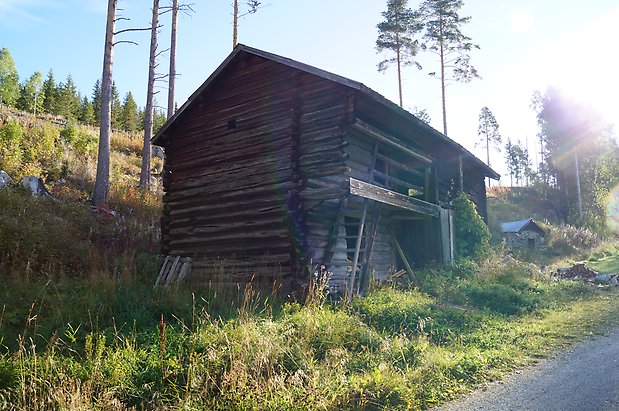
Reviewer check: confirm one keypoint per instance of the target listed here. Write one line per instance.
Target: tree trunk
(172, 74)
(235, 25)
(150, 97)
(102, 181)
(487, 151)
(399, 75)
(442, 56)
(578, 193)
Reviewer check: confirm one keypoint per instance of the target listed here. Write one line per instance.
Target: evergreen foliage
(472, 235)
(129, 118)
(87, 112)
(50, 94)
(96, 101)
(69, 101)
(117, 109)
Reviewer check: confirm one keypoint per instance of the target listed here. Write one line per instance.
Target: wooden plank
(383, 137)
(355, 261)
(409, 269)
(164, 267)
(171, 273)
(374, 192)
(369, 247)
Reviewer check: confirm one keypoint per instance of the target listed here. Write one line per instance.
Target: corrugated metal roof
(329, 76)
(520, 225)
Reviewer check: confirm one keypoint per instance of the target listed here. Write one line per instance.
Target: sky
(525, 45)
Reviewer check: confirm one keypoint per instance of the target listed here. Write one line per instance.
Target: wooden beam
(460, 173)
(376, 193)
(355, 260)
(397, 181)
(409, 269)
(400, 166)
(369, 246)
(383, 137)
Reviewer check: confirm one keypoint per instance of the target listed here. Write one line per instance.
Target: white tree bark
(150, 97)
(102, 181)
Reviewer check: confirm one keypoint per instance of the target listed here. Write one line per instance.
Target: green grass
(85, 344)
(605, 260)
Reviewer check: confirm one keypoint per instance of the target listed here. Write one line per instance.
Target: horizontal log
(385, 138)
(402, 166)
(396, 181)
(382, 195)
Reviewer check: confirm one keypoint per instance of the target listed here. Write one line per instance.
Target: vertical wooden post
(460, 173)
(355, 261)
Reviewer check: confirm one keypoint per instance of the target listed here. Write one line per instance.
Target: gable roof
(241, 48)
(520, 226)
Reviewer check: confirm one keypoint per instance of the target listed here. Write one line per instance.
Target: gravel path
(585, 378)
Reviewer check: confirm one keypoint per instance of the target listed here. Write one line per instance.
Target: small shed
(523, 234)
(274, 168)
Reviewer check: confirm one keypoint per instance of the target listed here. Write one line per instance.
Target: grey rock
(35, 186)
(602, 278)
(158, 152)
(5, 179)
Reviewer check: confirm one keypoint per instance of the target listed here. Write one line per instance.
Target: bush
(11, 136)
(566, 240)
(472, 235)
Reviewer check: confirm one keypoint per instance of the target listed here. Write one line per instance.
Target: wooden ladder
(174, 269)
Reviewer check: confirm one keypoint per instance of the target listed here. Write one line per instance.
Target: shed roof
(241, 48)
(520, 226)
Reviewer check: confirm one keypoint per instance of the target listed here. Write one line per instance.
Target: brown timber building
(274, 168)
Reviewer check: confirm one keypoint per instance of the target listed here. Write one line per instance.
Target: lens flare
(612, 210)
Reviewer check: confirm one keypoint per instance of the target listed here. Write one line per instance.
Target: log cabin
(274, 169)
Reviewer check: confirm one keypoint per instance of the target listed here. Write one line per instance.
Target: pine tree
(87, 112)
(9, 79)
(444, 38)
(69, 102)
(116, 108)
(50, 94)
(129, 118)
(96, 101)
(396, 35)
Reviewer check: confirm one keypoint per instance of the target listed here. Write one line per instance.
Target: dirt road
(585, 378)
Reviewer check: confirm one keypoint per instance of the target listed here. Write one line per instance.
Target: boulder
(35, 186)
(5, 179)
(158, 152)
(602, 278)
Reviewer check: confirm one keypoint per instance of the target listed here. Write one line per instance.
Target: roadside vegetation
(81, 326)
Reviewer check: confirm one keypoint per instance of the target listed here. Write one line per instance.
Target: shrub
(11, 136)
(472, 235)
